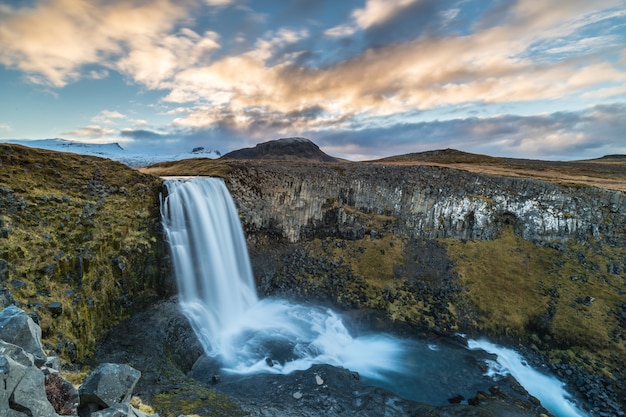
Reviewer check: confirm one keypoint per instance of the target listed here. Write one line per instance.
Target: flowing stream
(247, 335)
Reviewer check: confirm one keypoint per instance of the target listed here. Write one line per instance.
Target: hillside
(285, 149)
(607, 172)
(79, 243)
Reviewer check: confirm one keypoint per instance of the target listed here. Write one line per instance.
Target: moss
(557, 298)
(194, 399)
(81, 232)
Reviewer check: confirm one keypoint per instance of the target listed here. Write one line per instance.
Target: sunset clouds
(232, 73)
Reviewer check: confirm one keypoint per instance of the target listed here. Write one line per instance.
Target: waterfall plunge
(218, 296)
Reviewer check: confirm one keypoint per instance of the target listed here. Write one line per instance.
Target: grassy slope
(608, 172)
(538, 296)
(189, 167)
(80, 231)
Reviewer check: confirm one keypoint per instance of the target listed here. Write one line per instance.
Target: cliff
(300, 201)
(534, 264)
(417, 248)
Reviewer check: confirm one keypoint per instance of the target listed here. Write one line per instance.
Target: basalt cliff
(298, 202)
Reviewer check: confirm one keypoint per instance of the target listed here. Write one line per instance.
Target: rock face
(22, 393)
(295, 202)
(285, 149)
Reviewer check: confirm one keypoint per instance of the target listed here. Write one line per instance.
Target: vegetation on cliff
(80, 243)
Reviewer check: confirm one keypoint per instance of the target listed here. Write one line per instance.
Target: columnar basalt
(298, 201)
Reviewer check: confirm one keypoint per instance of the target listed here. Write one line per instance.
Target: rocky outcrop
(107, 385)
(28, 389)
(80, 244)
(296, 202)
(22, 392)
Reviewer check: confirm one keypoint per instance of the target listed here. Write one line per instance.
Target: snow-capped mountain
(113, 151)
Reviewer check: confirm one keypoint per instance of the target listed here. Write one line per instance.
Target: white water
(217, 294)
(548, 389)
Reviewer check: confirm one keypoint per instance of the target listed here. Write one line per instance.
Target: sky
(363, 79)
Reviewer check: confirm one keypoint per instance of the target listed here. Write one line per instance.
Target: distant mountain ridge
(284, 149)
(112, 151)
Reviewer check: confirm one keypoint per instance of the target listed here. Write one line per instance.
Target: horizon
(362, 79)
(193, 153)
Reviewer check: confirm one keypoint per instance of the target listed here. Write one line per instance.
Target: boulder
(17, 328)
(108, 384)
(22, 392)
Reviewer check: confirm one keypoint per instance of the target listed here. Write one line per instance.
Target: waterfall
(213, 274)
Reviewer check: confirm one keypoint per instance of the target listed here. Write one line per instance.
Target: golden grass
(189, 167)
(610, 174)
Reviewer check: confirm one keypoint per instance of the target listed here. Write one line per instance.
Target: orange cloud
(53, 40)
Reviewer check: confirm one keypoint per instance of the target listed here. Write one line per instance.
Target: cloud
(573, 135)
(6, 127)
(376, 12)
(94, 132)
(386, 60)
(153, 61)
(219, 2)
(108, 117)
(143, 135)
(52, 40)
(419, 75)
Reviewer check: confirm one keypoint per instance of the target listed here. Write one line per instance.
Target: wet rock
(16, 284)
(120, 410)
(456, 399)
(55, 308)
(588, 300)
(6, 298)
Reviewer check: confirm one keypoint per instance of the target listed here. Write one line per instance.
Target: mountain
(443, 156)
(285, 149)
(113, 151)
